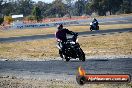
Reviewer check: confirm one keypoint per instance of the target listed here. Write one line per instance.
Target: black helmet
(94, 19)
(60, 27)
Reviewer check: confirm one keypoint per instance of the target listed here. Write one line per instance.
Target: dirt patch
(34, 83)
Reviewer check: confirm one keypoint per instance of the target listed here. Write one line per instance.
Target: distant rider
(95, 22)
(61, 36)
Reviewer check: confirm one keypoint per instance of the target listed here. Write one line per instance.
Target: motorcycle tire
(97, 27)
(91, 28)
(60, 53)
(67, 59)
(82, 55)
(64, 57)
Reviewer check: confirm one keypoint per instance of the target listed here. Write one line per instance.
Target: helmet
(94, 19)
(60, 27)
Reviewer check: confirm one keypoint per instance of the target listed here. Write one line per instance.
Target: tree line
(61, 8)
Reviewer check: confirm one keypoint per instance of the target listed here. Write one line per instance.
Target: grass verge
(110, 44)
(44, 31)
(115, 16)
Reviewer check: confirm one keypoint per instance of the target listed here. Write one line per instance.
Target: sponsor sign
(82, 77)
(43, 25)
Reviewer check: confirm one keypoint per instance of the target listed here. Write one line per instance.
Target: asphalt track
(106, 21)
(88, 33)
(58, 69)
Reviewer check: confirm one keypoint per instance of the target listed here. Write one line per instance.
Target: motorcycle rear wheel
(97, 27)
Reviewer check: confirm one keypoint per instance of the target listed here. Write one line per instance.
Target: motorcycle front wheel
(82, 55)
(91, 28)
(64, 57)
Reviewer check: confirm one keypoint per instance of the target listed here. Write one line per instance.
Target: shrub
(30, 17)
(1, 20)
(8, 19)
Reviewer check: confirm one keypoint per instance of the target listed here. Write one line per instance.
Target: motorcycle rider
(61, 36)
(95, 22)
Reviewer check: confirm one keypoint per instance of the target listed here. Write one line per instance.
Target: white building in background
(17, 16)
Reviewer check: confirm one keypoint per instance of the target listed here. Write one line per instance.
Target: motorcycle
(72, 50)
(93, 26)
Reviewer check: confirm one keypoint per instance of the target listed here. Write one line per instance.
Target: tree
(7, 9)
(58, 8)
(1, 5)
(16, 7)
(44, 7)
(1, 20)
(80, 7)
(88, 10)
(103, 6)
(126, 7)
(69, 7)
(97, 6)
(37, 13)
(115, 5)
(24, 7)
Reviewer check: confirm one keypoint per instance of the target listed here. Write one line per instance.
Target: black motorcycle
(72, 50)
(93, 26)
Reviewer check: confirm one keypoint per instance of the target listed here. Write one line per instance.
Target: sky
(47, 1)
